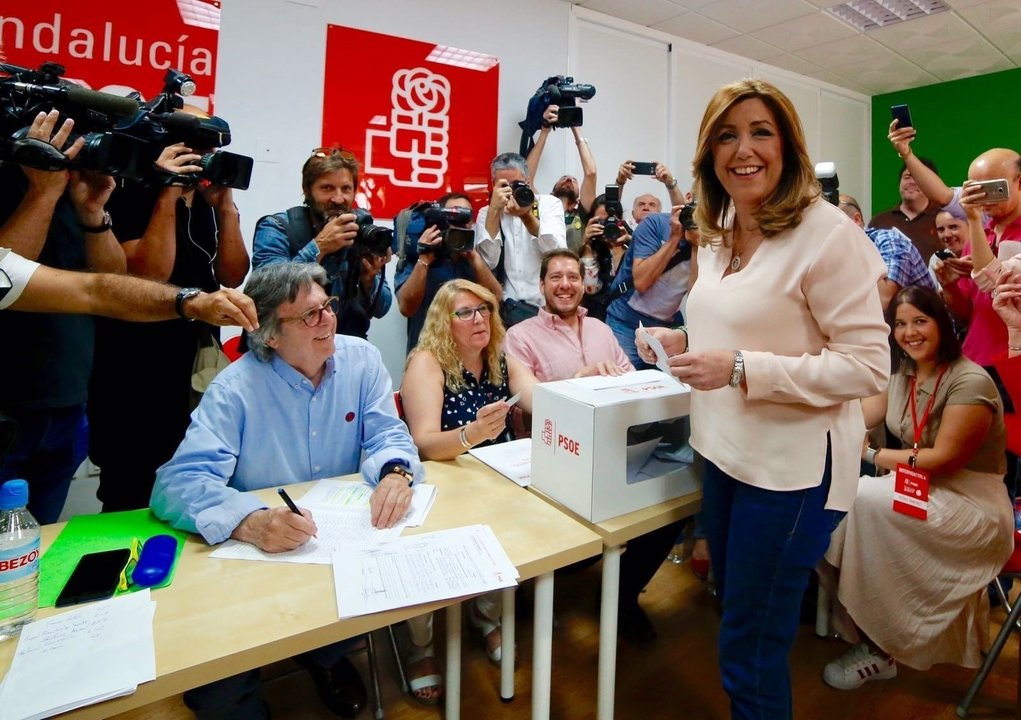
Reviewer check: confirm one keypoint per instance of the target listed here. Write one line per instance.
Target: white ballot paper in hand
(420, 569)
(513, 398)
(662, 361)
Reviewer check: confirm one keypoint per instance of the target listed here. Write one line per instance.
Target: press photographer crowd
(831, 357)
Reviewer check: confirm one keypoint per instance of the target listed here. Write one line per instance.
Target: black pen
(290, 503)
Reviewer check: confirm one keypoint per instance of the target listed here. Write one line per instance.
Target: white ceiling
(975, 37)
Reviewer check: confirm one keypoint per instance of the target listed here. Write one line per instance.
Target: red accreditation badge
(911, 491)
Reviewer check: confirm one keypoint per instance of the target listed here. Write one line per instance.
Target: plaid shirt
(904, 264)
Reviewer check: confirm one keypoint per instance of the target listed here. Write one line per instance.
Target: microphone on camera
(82, 97)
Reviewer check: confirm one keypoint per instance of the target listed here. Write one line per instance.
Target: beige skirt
(917, 588)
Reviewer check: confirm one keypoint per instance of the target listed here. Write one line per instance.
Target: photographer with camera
(188, 233)
(514, 231)
(576, 199)
(655, 276)
(647, 202)
(440, 246)
(57, 218)
(607, 238)
(329, 230)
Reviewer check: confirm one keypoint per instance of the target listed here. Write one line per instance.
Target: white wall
(270, 87)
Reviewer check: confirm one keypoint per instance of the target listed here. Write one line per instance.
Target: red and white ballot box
(603, 447)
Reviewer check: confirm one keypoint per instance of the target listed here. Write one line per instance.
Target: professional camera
(453, 224)
(564, 93)
(613, 224)
(522, 193)
(371, 239)
(826, 174)
(122, 135)
(687, 216)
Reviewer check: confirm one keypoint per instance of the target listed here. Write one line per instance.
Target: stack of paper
(419, 569)
(97, 652)
(342, 516)
(511, 459)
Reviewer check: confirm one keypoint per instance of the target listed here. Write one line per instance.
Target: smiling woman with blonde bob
(786, 334)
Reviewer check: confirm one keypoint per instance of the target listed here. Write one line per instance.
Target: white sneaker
(856, 667)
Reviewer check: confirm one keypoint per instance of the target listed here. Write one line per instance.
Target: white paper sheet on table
(93, 653)
(512, 459)
(354, 495)
(419, 569)
(337, 528)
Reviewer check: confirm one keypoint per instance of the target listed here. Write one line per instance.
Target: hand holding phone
(643, 168)
(995, 190)
(902, 114)
(945, 254)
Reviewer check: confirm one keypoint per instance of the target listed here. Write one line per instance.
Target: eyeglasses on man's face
(313, 317)
(468, 314)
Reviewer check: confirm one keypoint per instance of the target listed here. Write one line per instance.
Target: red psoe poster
(116, 46)
(420, 117)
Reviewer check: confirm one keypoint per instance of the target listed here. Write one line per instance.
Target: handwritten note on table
(342, 515)
(98, 651)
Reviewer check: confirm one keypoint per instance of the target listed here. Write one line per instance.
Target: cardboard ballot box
(581, 456)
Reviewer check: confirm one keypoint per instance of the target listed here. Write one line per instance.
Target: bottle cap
(13, 494)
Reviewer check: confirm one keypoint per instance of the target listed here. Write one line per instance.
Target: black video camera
(122, 136)
(522, 193)
(453, 224)
(564, 93)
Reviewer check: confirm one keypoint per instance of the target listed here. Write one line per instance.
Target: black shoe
(634, 626)
(340, 687)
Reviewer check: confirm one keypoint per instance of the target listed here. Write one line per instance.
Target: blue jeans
(764, 544)
(51, 444)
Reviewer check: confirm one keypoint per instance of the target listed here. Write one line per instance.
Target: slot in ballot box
(606, 446)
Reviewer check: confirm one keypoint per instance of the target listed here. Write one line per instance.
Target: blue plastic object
(155, 561)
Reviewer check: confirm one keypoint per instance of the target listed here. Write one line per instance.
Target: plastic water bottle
(19, 559)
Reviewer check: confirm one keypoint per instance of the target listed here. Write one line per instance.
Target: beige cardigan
(805, 312)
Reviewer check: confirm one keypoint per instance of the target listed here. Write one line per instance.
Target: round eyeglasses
(313, 317)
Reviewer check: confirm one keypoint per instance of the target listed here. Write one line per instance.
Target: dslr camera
(522, 193)
(371, 239)
(453, 223)
(613, 224)
(687, 216)
(564, 93)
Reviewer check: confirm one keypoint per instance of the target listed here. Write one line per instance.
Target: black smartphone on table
(643, 168)
(902, 114)
(95, 577)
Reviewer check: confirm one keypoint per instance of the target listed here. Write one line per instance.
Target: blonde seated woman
(454, 393)
(911, 590)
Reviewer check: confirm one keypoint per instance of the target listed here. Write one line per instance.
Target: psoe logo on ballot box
(420, 117)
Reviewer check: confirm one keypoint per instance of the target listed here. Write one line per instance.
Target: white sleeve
(15, 272)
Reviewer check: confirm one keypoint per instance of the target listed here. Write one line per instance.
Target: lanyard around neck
(920, 426)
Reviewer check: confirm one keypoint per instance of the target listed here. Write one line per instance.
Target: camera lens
(523, 194)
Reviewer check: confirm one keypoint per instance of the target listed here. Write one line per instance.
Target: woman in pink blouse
(786, 334)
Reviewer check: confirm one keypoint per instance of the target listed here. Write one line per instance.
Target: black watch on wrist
(102, 228)
(184, 295)
(398, 467)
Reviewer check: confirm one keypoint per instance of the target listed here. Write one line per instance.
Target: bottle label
(20, 562)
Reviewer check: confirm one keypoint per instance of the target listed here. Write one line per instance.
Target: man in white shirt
(512, 235)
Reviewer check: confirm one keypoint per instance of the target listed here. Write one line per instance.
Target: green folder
(85, 534)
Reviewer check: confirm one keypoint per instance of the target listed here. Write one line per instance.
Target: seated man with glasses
(304, 404)
(323, 231)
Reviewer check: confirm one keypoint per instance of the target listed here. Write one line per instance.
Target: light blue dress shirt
(263, 424)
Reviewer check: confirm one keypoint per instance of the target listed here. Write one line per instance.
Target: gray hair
(270, 287)
(508, 161)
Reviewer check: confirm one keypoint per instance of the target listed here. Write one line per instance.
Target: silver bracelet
(1015, 348)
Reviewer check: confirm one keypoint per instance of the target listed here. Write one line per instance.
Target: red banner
(420, 117)
(116, 46)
